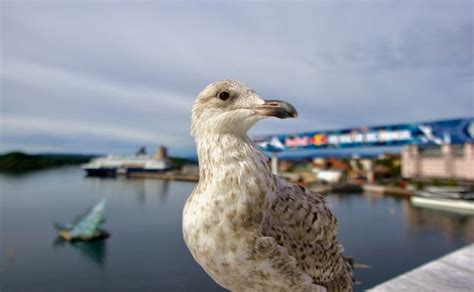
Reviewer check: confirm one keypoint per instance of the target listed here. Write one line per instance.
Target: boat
(124, 165)
(329, 175)
(86, 227)
(446, 198)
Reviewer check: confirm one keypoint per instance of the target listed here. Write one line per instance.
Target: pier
(387, 190)
(170, 175)
(452, 272)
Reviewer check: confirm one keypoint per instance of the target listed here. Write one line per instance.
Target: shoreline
(324, 189)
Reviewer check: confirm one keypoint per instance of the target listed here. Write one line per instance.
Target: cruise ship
(123, 165)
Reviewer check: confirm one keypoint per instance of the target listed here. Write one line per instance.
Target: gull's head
(229, 106)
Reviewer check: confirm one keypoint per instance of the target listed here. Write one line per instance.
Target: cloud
(26, 125)
(64, 133)
(70, 71)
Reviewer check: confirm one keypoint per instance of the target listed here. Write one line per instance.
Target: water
(146, 251)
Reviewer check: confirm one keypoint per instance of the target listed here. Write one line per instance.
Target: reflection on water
(415, 220)
(419, 220)
(95, 251)
(138, 186)
(146, 250)
(450, 224)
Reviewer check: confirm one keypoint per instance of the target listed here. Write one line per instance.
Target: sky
(110, 76)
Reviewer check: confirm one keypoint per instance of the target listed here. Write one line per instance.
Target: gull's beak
(277, 108)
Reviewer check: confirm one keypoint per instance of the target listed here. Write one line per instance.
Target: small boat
(87, 226)
(329, 176)
(447, 198)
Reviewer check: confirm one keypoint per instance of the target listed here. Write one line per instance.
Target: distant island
(18, 162)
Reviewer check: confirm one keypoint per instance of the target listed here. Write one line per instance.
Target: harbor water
(146, 251)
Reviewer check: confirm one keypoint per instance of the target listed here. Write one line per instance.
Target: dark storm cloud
(107, 77)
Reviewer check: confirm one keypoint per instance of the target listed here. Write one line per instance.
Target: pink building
(445, 162)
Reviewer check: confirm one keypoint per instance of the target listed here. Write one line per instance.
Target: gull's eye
(224, 95)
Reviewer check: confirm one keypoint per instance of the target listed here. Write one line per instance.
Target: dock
(452, 272)
(387, 190)
(166, 176)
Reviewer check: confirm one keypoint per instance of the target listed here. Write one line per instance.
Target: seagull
(247, 228)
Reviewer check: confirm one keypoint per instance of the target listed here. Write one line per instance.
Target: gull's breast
(215, 240)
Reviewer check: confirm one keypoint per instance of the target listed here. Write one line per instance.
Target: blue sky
(108, 77)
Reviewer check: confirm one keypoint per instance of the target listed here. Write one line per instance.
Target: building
(445, 162)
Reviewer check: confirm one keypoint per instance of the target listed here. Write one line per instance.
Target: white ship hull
(453, 201)
(113, 166)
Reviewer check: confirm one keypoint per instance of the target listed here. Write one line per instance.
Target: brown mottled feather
(301, 221)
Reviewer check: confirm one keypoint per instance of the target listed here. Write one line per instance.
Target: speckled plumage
(249, 229)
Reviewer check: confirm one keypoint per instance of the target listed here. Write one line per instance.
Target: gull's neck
(234, 153)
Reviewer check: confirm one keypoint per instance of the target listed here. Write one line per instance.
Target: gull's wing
(301, 221)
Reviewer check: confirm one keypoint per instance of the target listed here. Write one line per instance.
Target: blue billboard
(454, 131)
